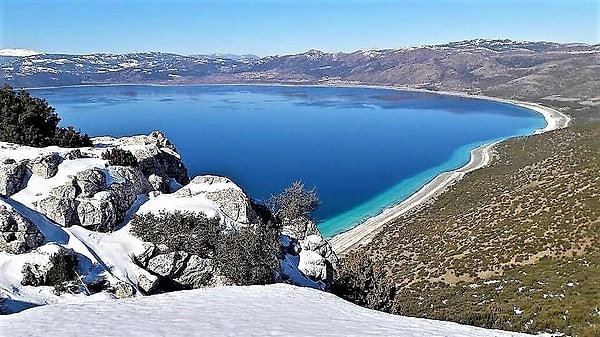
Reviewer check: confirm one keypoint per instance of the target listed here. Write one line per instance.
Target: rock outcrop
(46, 166)
(18, 234)
(229, 198)
(156, 155)
(12, 174)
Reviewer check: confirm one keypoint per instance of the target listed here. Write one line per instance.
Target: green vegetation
(245, 256)
(120, 157)
(514, 246)
(31, 121)
(193, 233)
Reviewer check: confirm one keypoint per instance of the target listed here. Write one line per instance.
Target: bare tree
(293, 207)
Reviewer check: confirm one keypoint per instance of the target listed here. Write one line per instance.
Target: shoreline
(481, 156)
(365, 230)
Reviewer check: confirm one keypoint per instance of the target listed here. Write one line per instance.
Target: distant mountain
(234, 57)
(512, 69)
(17, 52)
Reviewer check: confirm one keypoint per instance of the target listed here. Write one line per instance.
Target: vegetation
(249, 256)
(246, 256)
(293, 207)
(513, 246)
(120, 157)
(61, 275)
(31, 121)
(193, 233)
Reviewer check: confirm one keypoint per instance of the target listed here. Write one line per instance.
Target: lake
(364, 149)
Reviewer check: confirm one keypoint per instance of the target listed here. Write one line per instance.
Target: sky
(271, 27)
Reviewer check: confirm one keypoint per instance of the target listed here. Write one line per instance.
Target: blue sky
(268, 27)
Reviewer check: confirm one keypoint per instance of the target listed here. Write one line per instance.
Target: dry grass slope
(515, 245)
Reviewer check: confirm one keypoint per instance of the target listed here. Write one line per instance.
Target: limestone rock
(226, 195)
(97, 214)
(147, 283)
(315, 266)
(123, 290)
(46, 166)
(90, 182)
(143, 257)
(63, 211)
(11, 176)
(158, 156)
(198, 273)
(317, 244)
(17, 234)
(168, 265)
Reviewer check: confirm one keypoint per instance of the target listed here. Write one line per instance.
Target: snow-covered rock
(46, 166)
(17, 233)
(11, 176)
(168, 265)
(156, 155)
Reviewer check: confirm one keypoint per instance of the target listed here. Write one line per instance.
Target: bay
(364, 149)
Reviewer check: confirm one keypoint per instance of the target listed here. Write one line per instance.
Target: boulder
(97, 214)
(144, 256)
(198, 273)
(147, 283)
(18, 234)
(168, 265)
(157, 156)
(11, 177)
(62, 211)
(123, 290)
(317, 244)
(90, 182)
(158, 183)
(46, 166)
(60, 205)
(225, 194)
(315, 266)
(36, 272)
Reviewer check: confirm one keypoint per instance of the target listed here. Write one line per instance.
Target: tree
(31, 121)
(294, 203)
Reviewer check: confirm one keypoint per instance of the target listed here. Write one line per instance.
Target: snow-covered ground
(275, 310)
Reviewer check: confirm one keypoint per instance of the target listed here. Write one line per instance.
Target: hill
(560, 75)
(515, 245)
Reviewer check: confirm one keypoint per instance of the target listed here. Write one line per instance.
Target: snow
(17, 52)
(275, 310)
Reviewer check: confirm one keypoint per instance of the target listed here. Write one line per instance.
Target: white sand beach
(480, 157)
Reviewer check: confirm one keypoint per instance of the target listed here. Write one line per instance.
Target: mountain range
(556, 72)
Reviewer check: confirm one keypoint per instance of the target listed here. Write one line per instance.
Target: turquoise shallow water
(364, 149)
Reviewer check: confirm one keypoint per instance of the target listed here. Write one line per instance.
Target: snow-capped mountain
(475, 66)
(17, 52)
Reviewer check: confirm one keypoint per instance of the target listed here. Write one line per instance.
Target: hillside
(515, 245)
(560, 75)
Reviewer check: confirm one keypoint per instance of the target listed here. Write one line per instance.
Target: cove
(364, 149)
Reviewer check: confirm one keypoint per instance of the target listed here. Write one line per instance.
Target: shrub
(364, 280)
(31, 121)
(249, 256)
(191, 232)
(246, 256)
(295, 202)
(120, 157)
(69, 137)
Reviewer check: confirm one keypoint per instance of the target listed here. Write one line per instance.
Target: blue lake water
(364, 149)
